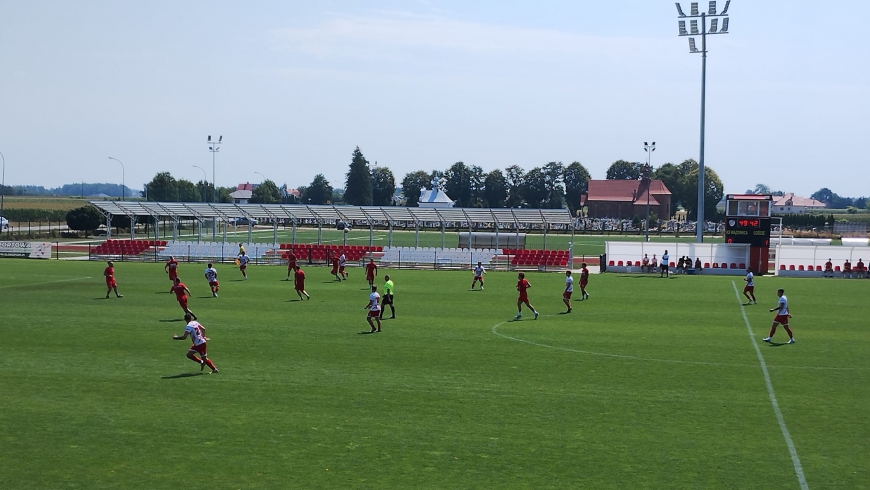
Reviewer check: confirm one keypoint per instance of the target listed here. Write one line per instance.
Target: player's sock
(210, 364)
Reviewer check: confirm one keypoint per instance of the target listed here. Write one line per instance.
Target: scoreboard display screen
(754, 231)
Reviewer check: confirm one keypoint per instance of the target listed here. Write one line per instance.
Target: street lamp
(372, 169)
(123, 185)
(2, 186)
(261, 175)
(647, 171)
(694, 14)
(204, 179)
(214, 147)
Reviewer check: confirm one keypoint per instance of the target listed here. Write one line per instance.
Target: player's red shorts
(370, 277)
(199, 348)
(478, 278)
(110, 282)
(300, 285)
(291, 265)
(748, 289)
(374, 313)
(341, 269)
(173, 274)
(583, 284)
(524, 298)
(183, 302)
(214, 284)
(567, 294)
(334, 271)
(781, 319)
(243, 267)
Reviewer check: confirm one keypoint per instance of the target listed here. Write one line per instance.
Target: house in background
(625, 199)
(789, 203)
(243, 193)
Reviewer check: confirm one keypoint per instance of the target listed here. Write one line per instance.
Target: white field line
(799, 471)
(46, 282)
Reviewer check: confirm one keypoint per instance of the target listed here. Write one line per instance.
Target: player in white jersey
(211, 277)
(374, 307)
(749, 289)
(479, 271)
(342, 261)
(196, 332)
(243, 260)
(782, 316)
(569, 288)
(665, 265)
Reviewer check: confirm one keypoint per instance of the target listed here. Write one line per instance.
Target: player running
(782, 316)
(180, 289)
(374, 308)
(479, 271)
(749, 288)
(299, 283)
(211, 276)
(197, 335)
(584, 280)
(109, 272)
(523, 299)
(388, 297)
(342, 261)
(171, 268)
(334, 270)
(371, 272)
(291, 264)
(243, 263)
(569, 288)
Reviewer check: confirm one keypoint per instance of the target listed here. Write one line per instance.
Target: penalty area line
(46, 282)
(798, 469)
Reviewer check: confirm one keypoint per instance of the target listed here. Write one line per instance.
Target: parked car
(242, 221)
(341, 225)
(4, 223)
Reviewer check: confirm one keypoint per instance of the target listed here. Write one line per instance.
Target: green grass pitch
(652, 383)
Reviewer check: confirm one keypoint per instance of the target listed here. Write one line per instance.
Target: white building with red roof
(789, 203)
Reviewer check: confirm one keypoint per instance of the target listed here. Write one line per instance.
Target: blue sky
(293, 87)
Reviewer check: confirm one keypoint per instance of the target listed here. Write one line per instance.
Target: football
(346, 230)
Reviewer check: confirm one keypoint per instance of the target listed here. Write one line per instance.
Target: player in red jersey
(197, 335)
(291, 264)
(109, 272)
(523, 286)
(334, 270)
(371, 272)
(584, 280)
(299, 283)
(171, 268)
(180, 289)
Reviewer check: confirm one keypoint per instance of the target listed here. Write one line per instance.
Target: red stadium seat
(836, 268)
(818, 268)
(742, 265)
(619, 263)
(791, 267)
(715, 265)
(800, 267)
(637, 263)
(782, 267)
(733, 265)
(611, 263)
(706, 265)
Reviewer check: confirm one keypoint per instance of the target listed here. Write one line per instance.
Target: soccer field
(651, 383)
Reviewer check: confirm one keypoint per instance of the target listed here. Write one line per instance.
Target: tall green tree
(494, 189)
(205, 190)
(576, 179)
(85, 218)
(535, 191)
(412, 184)
(623, 170)
(358, 184)
(553, 172)
(319, 192)
(187, 191)
(670, 175)
(162, 188)
(688, 189)
(384, 186)
(464, 184)
(266, 193)
(515, 178)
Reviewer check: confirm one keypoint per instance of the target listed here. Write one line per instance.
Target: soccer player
(829, 269)
(584, 280)
(197, 335)
(654, 263)
(388, 297)
(334, 270)
(109, 272)
(342, 261)
(847, 268)
(211, 276)
(180, 289)
(782, 316)
(374, 308)
(860, 269)
(171, 268)
(479, 271)
(665, 267)
(241, 249)
(299, 283)
(569, 288)
(523, 286)
(749, 288)
(243, 262)
(371, 272)
(644, 264)
(291, 264)
(698, 265)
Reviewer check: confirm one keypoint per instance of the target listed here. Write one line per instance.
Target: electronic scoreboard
(747, 220)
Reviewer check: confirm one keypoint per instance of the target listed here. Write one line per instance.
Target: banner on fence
(33, 250)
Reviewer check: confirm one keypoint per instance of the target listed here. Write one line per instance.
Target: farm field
(651, 383)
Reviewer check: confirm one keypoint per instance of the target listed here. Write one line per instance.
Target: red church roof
(625, 190)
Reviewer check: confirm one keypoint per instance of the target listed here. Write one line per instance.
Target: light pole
(204, 179)
(714, 29)
(123, 185)
(2, 186)
(214, 147)
(647, 171)
(372, 169)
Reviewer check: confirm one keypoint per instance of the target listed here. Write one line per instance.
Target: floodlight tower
(694, 15)
(214, 147)
(647, 173)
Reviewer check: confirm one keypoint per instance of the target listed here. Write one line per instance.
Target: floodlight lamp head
(679, 10)
(220, 139)
(209, 138)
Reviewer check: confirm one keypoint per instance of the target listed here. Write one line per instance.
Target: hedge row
(24, 215)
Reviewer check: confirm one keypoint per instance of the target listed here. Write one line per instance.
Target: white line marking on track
(799, 471)
(46, 282)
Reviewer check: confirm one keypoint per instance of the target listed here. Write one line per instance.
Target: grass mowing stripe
(798, 469)
(46, 282)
